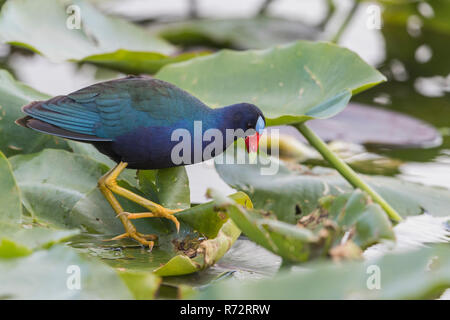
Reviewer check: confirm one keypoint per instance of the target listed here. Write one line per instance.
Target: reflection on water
(432, 87)
(418, 70)
(435, 173)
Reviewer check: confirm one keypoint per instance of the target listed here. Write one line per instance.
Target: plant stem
(345, 170)
(347, 20)
(331, 8)
(193, 9)
(265, 5)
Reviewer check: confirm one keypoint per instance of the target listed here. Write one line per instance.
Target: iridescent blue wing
(109, 109)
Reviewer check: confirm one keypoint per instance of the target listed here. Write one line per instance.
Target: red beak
(252, 142)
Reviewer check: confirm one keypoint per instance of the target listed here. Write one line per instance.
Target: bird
(132, 120)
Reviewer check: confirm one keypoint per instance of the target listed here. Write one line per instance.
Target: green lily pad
(16, 240)
(53, 181)
(422, 274)
(176, 254)
(51, 274)
(138, 62)
(297, 190)
(15, 139)
(60, 191)
(207, 218)
(207, 254)
(355, 212)
(10, 198)
(245, 260)
(143, 285)
(93, 214)
(100, 40)
(170, 186)
(290, 83)
(320, 233)
(89, 150)
(98, 33)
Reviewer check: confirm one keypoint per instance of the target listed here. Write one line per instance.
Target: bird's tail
(46, 124)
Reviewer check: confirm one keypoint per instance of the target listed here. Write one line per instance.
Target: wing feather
(108, 109)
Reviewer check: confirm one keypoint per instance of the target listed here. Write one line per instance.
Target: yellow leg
(155, 209)
(108, 185)
(130, 230)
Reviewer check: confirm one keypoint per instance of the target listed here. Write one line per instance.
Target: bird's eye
(249, 125)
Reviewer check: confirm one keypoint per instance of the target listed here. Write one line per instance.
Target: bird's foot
(160, 213)
(146, 240)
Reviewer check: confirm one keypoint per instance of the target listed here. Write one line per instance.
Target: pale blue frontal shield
(260, 124)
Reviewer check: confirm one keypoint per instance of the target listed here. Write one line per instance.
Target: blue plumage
(132, 119)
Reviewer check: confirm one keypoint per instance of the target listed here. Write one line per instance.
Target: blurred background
(408, 41)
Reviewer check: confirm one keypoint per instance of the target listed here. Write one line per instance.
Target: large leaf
(89, 150)
(320, 233)
(92, 213)
(60, 190)
(206, 255)
(188, 253)
(101, 40)
(245, 260)
(294, 191)
(143, 285)
(290, 83)
(422, 274)
(10, 199)
(170, 186)
(54, 180)
(137, 62)
(16, 240)
(13, 138)
(42, 27)
(176, 254)
(50, 274)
